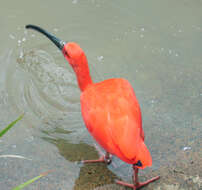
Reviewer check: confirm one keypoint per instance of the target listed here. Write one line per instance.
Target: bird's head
(73, 54)
(71, 50)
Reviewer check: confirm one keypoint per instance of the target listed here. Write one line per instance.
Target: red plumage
(110, 111)
(112, 115)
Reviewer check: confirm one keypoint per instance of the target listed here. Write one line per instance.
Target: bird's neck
(82, 73)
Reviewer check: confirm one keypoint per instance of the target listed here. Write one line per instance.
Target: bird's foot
(125, 184)
(103, 159)
(137, 185)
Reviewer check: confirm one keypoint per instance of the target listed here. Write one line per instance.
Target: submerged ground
(155, 45)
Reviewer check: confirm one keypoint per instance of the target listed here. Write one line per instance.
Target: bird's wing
(112, 115)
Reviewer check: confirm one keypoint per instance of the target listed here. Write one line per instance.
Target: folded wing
(112, 115)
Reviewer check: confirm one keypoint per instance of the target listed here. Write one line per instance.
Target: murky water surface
(155, 45)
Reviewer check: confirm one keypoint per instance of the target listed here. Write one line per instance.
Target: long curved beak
(59, 43)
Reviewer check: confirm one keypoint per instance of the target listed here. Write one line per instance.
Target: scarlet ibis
(111, 112)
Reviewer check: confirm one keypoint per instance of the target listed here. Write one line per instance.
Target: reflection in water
(94, 175)
(91, 175)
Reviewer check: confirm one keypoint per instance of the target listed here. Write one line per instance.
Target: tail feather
(144, 156)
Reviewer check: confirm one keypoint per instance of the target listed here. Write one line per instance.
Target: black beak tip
(28, 26)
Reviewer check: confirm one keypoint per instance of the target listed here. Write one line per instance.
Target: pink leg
(136, 182)
(104, 159)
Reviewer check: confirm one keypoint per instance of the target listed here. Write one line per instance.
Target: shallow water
(156, 46)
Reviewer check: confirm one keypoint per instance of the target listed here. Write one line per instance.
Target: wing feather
(112, 115)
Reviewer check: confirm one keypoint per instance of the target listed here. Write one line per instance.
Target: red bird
(111, 112)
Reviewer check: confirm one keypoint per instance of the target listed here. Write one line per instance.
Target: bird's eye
(66, 54)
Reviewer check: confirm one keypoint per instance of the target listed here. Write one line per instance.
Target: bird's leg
(136, 184)
(141, 184)
(103, 158)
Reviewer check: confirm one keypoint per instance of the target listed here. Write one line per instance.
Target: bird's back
(112, 115)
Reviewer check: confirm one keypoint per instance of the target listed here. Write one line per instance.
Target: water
(156, 46)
